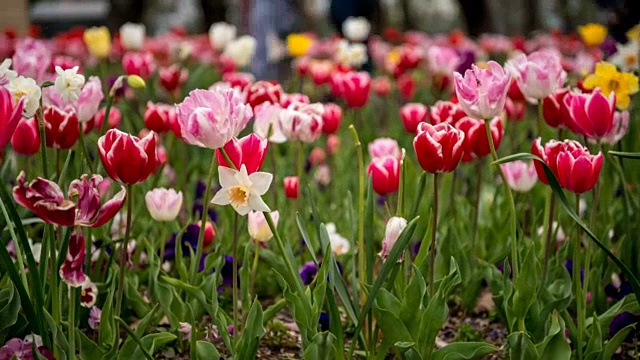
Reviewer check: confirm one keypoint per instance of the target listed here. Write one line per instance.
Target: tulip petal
(110, 209)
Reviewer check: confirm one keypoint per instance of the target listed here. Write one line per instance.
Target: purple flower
(623, 320)
(308, 272)
(569, 266)
(189, 239)
(22, 349)
(324, 321)
(94, 317)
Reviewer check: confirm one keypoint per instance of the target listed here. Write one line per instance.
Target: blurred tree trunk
(407, 19)
(531, 22)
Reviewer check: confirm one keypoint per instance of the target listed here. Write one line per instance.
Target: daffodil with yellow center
(593, 34)
(98, 41)
(299, 44)
(241, 190)
(609, 79)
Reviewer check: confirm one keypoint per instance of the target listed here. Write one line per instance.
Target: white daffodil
(221, 34)
(339, 244)
(241, 190)
(626, 58)
(6, 74)
(69, 83)
(24, 87)
(132, 35)
(354, 55)
(356, 28)
(241, 50)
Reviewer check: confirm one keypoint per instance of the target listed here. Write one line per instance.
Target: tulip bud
(392, 232)
(356, 87)
(250, 151)
(554, 109)
(292, 187)
(331, 118)
(163, 204)
(385, 174)
(26, 138)
(209, 233)
(406, 86)
(413, 114)
(258, 227)
(381, 86)
(333, 144)
(317, 156)
(521, 176)
(136, 82)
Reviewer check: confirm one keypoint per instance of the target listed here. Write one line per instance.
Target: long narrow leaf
(626, 155)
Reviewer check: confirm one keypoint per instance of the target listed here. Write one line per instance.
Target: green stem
(361, 187)
(577, 262)
(434, 232)
(476, 205)
(72, 323)
(107, 110)
(123, 252)
(540, 118)
(254, 269)
(234, 245)
(512, 207)
(55, 300)
(43, 142)
(203, 218)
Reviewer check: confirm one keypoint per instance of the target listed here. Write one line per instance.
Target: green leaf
(9, 306)
(594, 345)
(368, 230)
(153, 343)
(132, 342)
(526, 286)
(555, 186)
(206, 350)
(306, 238)
(555, 345)
(464, 351)
(521, 347)
(626, 155)
(247, 345)
(59, 338)
(88, 349)
(615, 342)
(321, 347)
(106, 329)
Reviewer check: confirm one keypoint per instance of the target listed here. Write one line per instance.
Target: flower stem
(234, 245)
(361, 185)
(19, 258)
(512, 207)
(123, 252)
(107, 110)
(203, 217)
(43, 142)
(434, 232)
(254, 269)
(55, 300)
(476, 205)
(577, 280)
(72, 323)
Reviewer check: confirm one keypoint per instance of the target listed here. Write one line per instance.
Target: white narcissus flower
(6, 74)
(626, 56)
(221, 34)
(241, 50)
(356, 28)
(28, 88)
(339, 244)
(392, 232)
(258, 227)
(241, 190)
(132, 35)
(354, 55)
(69, 83)
(163, 204)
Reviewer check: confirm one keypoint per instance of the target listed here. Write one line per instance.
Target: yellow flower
(608, 79)
(98, 41)
(634, 33)
(298, 44)
(593, 34)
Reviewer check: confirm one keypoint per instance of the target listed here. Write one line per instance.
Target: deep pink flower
(26, 138)
(172, 77)
(555, 111)
(239, 80)
(288, 99)
(482, 92)
(264, 92)
(126, 158)
(445, 111)
(250, 151)
(71, 270)
(45, 199)
(592, 113)
(211, 118)
(331, 118)
(476, 143)
(159, 117)
(61, 127)
(412, 114)
(141, 64)
(356, 87)
(90, 211)
(385, 174)
(10, 115)
(439, 147)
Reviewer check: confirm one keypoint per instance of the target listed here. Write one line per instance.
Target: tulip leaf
(6, 266)
(555, 186)
(206, 350)
(615, 342)
(555, 345)
(368, 230)
(247, 345)
(521, 347)
(321, 347)
(9, 306)
(464, 351)
(88, 349)
(626, 155)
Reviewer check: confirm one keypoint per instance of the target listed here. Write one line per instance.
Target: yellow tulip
(298, 44)
(609, 79)
(593, 34)
(98, 41)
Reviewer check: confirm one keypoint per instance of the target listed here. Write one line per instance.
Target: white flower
(626, 58)
(241, 50)
(354, 55)
(356, 28)
(6, 74)
(277, 49)
(132, 35)
(26, 87)
(221, 34)
(394, 228)
(258, 227)
(69, 83)
(163, 204)
(323, 175)
(241, 190)
(339, 244)
(185, 329)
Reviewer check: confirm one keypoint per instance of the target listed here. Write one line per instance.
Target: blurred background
(508, 17)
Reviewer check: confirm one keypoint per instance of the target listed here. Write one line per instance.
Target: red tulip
(10, 115)
(250, 150)
(476, 143)
(26, 138)
(412, 114)
(356, 89)
(159, 117)
(514, 92)
(45, 199)
(406, 86)
(554, 110)
(61, 127)
(90, 212)
(445, 111)
(410, 57)
(439, 147)
(126, 158)
(381, 86)
(71, 269)
(264, 92)
(593, 113)
(514, 109)
(572, 164)
(331, 118)
(292, 187)
(172, 77)
(115, 117)
(141, 64)
(385, 174)
(239, 80)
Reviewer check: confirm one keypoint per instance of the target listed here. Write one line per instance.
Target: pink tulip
(163, 204)
(482, 92)
(445, 111)
(618, 130)
(382, 147)
(302, 122)
(288, 99)
(442, 61)
(32, 58)
(239, 80)
(521, 176)
(141, 64)
(413, 114)
(26, 138)
(538, 74)
(331, 118)
(10, 115)
(356, 89)
(439, 147)
(89, 101)
(249, 151)
(385, 174)
(592, 113)
(267, 116)
(211, 118)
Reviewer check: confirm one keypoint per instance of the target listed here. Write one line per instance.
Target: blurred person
(271, 20)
